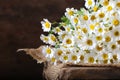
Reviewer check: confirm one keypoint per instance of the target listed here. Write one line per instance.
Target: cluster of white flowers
(88, 35)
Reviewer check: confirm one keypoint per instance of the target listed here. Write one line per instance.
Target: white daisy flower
(63, 35)
(48, 52)
(115, 33)
(52, 39)
(104, 2)
(85, 17)
(90, 58)
(74, 20)
(118, 43)
(57, 30)
(68, 41)
(70, 12)
(53, 60)
(68, 28)
(46, 25)
(44, 38)
(64, 58)
(107, 38)
(89, 3)
(105, 57)
(88, 43)
(74, 58)
(112, 47)
(58, 53)
(117, 4)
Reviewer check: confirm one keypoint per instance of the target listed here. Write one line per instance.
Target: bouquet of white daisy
(89, 35)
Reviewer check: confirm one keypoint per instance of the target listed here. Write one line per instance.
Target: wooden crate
(74, 72)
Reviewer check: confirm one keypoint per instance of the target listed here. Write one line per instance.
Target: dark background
(20, 28)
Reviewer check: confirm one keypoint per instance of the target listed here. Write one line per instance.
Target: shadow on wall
(20, 28)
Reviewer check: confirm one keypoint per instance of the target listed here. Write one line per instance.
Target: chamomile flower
(112, 47)
(68, 41)
(52, 39)
(46, 25)
(116, 22)
(89, 3)
(70, 12)
(117, 4)
(89, 35)
(58, 53)
(118, 42)
(44, 38)
(107, 38)
(74, 58)
(74, 20)
(47, 51)
(85, 17)
(53, 60)
(57, 30)
(104, 2)
(64, 58)
(88, 43)
(68, 28)
(115, 33)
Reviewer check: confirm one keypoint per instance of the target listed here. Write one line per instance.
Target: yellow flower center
(118, 4)
(75, 20)
(74, 57)
(68, 41)
(105, 61)
(68, 29)
(95, 8)
(90, 2)
(100, 30)
(109, 8)
(99, 48)
(107, 38)
(113, 46)
(116, 33)
(59, 52)
(80, 37)
(91, 60)
(118, 42)
(48, 51)
(81, 57)
(89, 42)
(111, 60)
(53, 38)
(98, 38)
(105, 56)
(116, 22)
(57, 29)
(93, 17)
(45, 38)
(70, 12)
(106, 2)
(115, 57)
(101, 15)
(65, 57)
(47, 25)
(92, 27)
(85, 17)
(84, 30)
(53, 59)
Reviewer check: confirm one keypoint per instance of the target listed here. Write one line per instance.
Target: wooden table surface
(20, 28)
